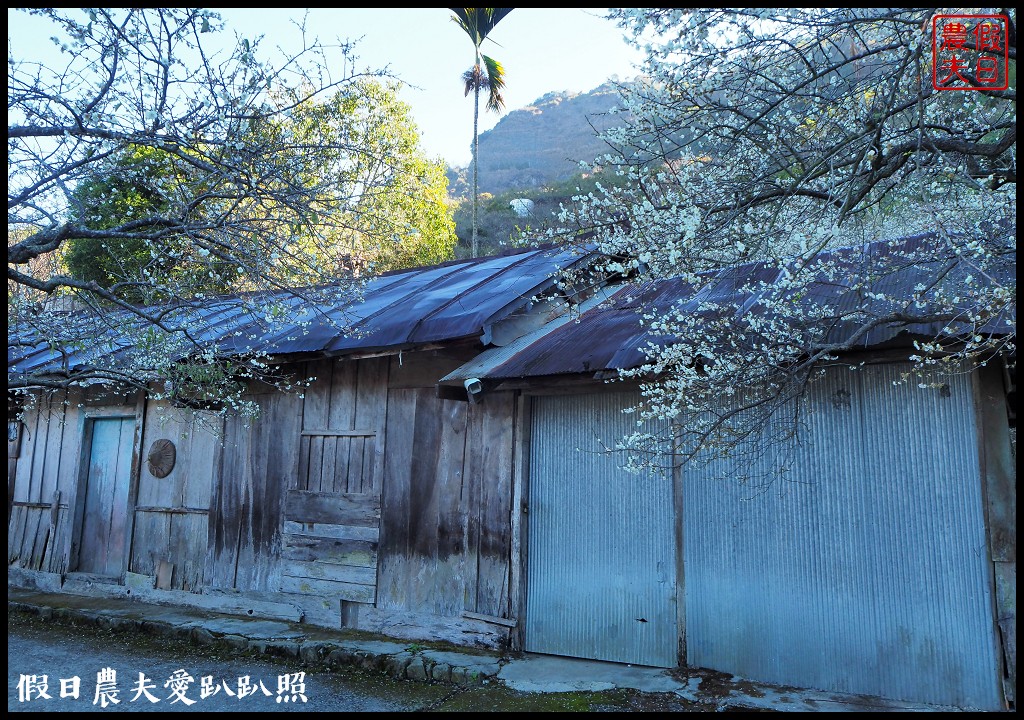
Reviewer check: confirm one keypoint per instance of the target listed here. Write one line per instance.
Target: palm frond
(478, 22)
(467, 21)
(474, 79)
(495, 83)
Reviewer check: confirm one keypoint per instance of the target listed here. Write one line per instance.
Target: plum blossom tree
(194, 165)
(779, 136)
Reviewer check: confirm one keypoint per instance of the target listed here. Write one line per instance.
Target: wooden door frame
(86, 425)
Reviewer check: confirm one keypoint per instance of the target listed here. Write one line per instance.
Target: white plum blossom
(260, 186)
(773, 138)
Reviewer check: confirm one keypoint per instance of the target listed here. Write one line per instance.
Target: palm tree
(486, 74)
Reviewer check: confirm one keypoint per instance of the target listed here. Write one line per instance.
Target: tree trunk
(474, 247)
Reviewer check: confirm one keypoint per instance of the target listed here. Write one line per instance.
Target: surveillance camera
(474, 386)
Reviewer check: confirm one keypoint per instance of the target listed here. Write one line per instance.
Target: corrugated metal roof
(612, 335)
(482, 364)
(398, 310)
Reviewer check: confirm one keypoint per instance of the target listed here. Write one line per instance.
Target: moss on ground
(422, 696)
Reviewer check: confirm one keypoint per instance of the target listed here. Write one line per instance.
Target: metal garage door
(865, 570)
(601, 559)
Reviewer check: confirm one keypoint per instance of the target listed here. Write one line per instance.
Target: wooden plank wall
(368, 489)
(332, 506)
(15, 433)
(40, 527)
(280, 474)
(489, 471)
(422, 565)
(171, 513)
(446, 504)
(330, 545)
(342, 416)
(1000, 481)
(31, 536)
(258, 459)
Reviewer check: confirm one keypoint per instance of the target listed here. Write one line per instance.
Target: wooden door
(332, 517)
(103, 539)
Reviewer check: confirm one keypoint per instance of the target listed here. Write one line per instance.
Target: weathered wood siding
(446, 531)
(31, 531)
(1000, 492)
(49, 467)
(258, 459)
(422, 544)
(15, 433)
(489, 471)
(171, 513)
(296, 508)
(342, 417)
(366, 500)
(370, 501)
(332, 503)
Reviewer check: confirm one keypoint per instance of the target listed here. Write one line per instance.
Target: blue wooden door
(104, 539)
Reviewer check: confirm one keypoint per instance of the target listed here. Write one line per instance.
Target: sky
(542, 50)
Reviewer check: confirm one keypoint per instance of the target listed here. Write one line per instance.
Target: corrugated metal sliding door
(103, 539)
(865, 568)
(601, 546)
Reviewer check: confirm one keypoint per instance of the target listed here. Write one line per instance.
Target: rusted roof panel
(612, 336)
(398, 310)
(457, 304)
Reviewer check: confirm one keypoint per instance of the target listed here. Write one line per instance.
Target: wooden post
(520, 491)
(14, 433)
(1000, 496)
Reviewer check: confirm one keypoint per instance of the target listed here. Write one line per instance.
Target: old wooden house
(441, 479)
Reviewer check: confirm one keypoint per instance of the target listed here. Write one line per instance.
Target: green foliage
(177, 166)
(485, 74)
(397, 214)
(478, 22)
(134, 186)
(500, 228)
(412, 205)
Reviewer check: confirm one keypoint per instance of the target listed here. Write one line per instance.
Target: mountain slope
(541, 143)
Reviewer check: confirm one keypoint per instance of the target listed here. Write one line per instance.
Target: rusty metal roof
(404, 309)
(612, 335)
(461, 299)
